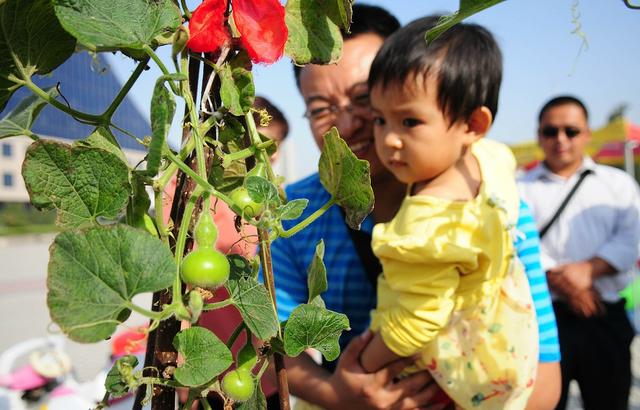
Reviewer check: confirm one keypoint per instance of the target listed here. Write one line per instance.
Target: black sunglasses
(549, 131)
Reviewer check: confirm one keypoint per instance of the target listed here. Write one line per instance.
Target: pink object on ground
(25, 378)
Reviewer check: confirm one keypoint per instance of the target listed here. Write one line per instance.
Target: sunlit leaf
(314, 32)
(104, 139)
(346, 178)
(95, 273)
(205, 356)
(119, 24)
(237, 90)
(292, 209)
(312, 326)
(254, 303)
(317, 273)
(467, 8)
(82, 184)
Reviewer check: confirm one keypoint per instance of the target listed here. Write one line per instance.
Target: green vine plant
(110, 248)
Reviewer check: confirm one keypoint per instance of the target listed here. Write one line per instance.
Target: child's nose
(392, 140)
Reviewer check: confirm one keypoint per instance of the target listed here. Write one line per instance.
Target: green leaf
(292, 209)
(256, 402)
(261, 190)
(312, 326)
(104, 139)
(83, 184)
(344, 11)
(94, 273)
(466, 9)
(254, 303)
(240, 267)
(226, 179)
(346, 178)
(205, 356)
(237, 90)
(163, 108)
(31, 41)
(231, 131)
(317, 273)
(314, 34)
(119, 24)
(20, 120)
(120, 379)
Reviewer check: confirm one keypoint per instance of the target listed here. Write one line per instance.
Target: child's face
(413, 137)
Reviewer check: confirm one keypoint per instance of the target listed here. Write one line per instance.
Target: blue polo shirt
(350, 291)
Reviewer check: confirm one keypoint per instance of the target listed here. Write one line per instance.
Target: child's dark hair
(563, 100)
(466, 60)
(366, 19)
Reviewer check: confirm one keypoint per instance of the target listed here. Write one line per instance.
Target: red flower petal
(207, 27)
(262, 28)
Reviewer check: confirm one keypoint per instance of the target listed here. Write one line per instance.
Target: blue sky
(542, 58)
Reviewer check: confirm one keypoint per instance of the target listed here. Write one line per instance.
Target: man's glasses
(323, 114)
(549, 131)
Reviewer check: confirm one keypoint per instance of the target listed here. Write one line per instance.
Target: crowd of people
(464, 288)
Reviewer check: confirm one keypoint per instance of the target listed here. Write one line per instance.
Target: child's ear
(479, 123)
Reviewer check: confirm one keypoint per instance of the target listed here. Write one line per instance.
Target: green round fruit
(238, 385)
(248, 206)
(205, 267)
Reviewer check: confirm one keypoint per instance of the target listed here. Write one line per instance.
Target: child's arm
(376, 355)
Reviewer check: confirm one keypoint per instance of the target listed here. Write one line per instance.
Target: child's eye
(379, 121)
(411, 122)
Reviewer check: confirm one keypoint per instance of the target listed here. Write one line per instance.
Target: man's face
(563, 135)
(337, 96)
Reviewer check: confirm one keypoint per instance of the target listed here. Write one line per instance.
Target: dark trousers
(596, 353)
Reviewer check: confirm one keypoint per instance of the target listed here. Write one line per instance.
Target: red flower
(263, 32)
(207, 27)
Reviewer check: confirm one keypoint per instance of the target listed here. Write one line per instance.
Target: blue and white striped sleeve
(528, 248)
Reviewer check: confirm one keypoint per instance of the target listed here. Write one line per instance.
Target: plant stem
(162, 228)
(90, 118)
(217, 305)
(308, 220)
(182, 238)
(234, 336)
(125, 89)
(148, 313)
(203, 183)
(163, 382)
(161, 66)
(185, 8)
(261, 154)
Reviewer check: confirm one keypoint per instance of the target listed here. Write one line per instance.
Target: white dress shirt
(602, 219)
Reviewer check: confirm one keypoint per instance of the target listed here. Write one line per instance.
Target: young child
(452, 292)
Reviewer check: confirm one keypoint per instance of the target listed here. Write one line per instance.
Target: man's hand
(356, 389)
(574, 281)
(572, 277)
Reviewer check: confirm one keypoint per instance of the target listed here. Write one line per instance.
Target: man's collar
(541, 170)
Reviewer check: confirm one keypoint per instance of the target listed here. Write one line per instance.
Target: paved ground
(23, 265)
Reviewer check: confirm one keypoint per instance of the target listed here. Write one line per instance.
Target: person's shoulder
(607, 171)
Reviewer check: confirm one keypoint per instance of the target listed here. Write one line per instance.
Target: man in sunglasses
(588, 216)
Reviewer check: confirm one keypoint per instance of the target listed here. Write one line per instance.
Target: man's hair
(563, 100)
(261, 103)
(465, 59)
(365, 19)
